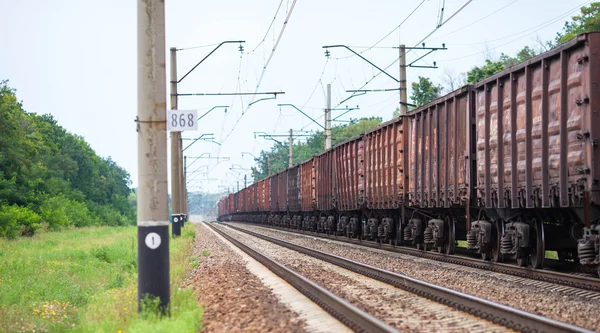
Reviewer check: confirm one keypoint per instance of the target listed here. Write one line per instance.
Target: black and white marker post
(177, 220)
(152, 198)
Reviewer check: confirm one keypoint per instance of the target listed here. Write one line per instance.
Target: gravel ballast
(234, 299)
(497, 287)
(396, 307)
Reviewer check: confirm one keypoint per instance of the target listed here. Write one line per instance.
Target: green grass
(85, 280)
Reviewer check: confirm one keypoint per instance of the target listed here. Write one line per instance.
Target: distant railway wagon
(510, 164)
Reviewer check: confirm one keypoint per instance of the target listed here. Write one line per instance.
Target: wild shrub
(16, 220)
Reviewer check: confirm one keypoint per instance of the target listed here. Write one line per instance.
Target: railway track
(559, 278)
(345, 312)
(499, 314)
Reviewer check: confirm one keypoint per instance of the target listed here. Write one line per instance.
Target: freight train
(510, 164)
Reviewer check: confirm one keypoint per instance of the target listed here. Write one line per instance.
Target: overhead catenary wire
(263, 70)
(196, 47)
(538, 26)
(396, 60)
(416, 44)
(535, 28)
(268, 29)
(388, 34)
(273, 50)
(474, 22)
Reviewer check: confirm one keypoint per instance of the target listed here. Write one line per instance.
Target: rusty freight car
(325, 190)
(293, 194)
(439, 146)
(510, 164)
(348, 175)
(538, 161)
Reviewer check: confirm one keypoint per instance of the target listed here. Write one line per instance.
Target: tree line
(52, 179)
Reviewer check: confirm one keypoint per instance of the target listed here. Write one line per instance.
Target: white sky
(76, 60)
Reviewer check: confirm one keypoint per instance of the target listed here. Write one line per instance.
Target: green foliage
(524, 54)
(588, 20)
(479, 73)
(424, 91)
(313, 145)
(61, 212)
(55, 173)
(16, 220)
(85, 280)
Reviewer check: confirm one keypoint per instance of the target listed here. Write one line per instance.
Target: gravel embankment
(234, 299)
(498, 287)
(396, 307)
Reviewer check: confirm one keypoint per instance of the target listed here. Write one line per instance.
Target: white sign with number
(153, 240)
(182, 120)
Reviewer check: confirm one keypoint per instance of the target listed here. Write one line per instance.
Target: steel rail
(347, 313)
(559, 278)
(497, 313)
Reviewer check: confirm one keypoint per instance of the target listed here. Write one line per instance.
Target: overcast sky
(76, 60)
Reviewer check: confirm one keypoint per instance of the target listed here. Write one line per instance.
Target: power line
(196, 47)
(543, 25)
(416, 44)
(388, 34)
(264, 68)
(274, 48)
(470, 24)
(395, 61)
(269, 29)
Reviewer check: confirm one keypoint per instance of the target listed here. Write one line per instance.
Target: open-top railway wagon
(510, 164)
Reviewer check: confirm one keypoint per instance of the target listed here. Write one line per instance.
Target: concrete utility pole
(185, 191)
(328, 119)
(402, 81)
(244, 181)
(291, 154)
(176, 188)
(403, 99)
(152, 200)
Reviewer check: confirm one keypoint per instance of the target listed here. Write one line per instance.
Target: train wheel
(497, 233)
(451, 235)
(538, 248)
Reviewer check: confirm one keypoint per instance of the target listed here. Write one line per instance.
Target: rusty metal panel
(231, 204)
(293, 192)
(221, 207)
(347, 168)
(306, 186)
(241, 201)
(542, 112)
(593, 115)
(274, 192)
(384, 164)
(267, 194)
(282, 190)
(252, 198)
(325, 181)
(439, 151)
(261, 196)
